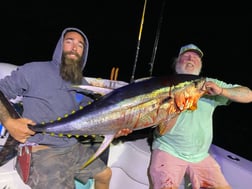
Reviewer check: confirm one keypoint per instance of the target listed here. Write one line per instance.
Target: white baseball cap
(191, 47)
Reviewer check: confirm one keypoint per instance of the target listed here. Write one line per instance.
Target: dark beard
(71, 70)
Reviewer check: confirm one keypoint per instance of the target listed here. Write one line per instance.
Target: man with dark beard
(46, 88)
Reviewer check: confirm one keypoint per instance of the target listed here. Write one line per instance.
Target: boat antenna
(157, 38)
(138, 43)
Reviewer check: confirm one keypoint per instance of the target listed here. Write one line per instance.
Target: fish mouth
(202, 83)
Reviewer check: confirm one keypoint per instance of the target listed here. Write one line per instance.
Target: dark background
(29, 32)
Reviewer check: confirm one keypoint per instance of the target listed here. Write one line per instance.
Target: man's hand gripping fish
(146, 103)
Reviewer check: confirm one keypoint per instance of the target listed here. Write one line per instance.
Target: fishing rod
(138, 43)
(157, 38)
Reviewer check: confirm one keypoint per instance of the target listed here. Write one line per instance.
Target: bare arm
(240, 94)
(17, 127)
(4, 114)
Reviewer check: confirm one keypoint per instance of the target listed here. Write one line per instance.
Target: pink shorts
(167, 171)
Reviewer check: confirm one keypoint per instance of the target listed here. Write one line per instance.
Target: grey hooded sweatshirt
(46, 96)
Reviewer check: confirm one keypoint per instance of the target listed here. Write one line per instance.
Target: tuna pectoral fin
(105, 143)
(166, 126)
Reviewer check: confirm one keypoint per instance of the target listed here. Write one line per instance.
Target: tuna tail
(9, 150)
(104, 145)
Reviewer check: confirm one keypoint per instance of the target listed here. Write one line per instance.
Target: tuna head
(184, 95)
(186, 98)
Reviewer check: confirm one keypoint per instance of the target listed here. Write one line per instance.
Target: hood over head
(57, 55)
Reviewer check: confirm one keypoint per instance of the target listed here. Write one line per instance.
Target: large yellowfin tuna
(146, 103)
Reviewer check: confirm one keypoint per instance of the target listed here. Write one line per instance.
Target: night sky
(30, 33)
